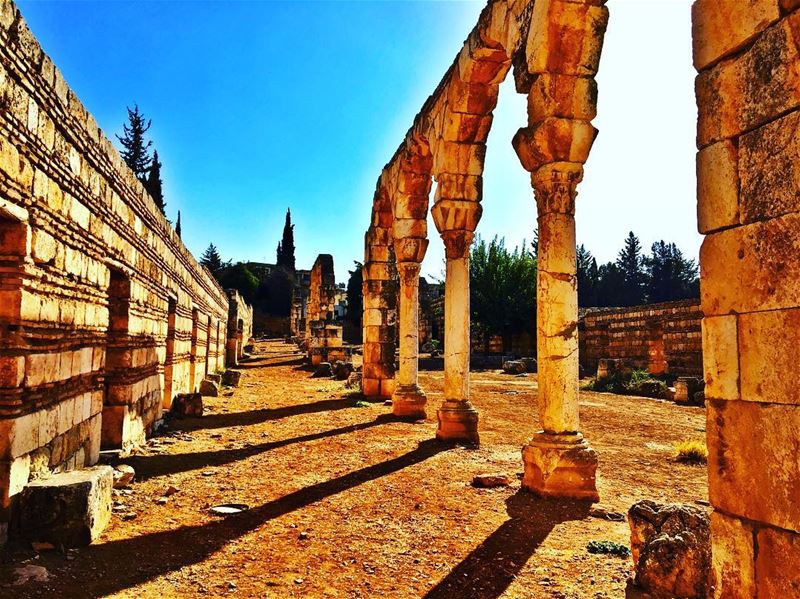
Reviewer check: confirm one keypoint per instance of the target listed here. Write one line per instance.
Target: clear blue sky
(257, 106)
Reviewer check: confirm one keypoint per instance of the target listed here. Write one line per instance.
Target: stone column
(408, 400)
(458, 419)
(562, 56)
(456, 221)
(558, 460)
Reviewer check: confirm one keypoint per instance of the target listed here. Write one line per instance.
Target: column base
(409, 402)
(560, 465)
(458, 423)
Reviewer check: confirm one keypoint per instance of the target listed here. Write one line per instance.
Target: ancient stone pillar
(456, 221)
(562, 53)
(408, 400)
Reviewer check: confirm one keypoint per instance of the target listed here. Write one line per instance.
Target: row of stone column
(562, 57)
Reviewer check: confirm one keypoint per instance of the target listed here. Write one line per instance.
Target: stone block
(14, 475)
(720, 27)
(69, 509)
(717, 187)
(231, 378)
(732, 558)
(12, 371)
(751, 268)
(459, 158)
(20, 435)
(721, 357)
(562, 96)
(778, 563)
(188, 404)
(466, 128)
(209, 388)
(755, 87)
(554, 140)
(671, 549)
(769, 169)
(471, 98)
(560, 466)
(753, 471)
(770, 371)
(566, 37)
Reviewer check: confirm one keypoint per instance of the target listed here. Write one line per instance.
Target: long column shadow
(160, 465)
(492, 566)
(151, 555)
(211, 421)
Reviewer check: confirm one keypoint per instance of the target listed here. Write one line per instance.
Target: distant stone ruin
(323, 336)
(105, 316)
(661, 338)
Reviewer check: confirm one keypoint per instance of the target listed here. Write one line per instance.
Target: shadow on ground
(160, 465)
(162, 552)
(492, 566)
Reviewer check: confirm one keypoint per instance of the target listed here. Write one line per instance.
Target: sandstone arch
(747, 188)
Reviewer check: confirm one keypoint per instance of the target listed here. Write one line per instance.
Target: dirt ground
(346, 502)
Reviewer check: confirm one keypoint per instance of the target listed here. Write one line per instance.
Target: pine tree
(135, 148)
(178, 224)
(211, 259)
(286, 246)
(587, 277)
(153, 183)
(631, 265)
(670, 276)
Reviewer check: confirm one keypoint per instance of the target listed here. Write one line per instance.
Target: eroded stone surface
(69, 509)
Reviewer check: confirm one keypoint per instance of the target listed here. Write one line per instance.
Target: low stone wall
(240, 327)
(104, 314)
(661, 338)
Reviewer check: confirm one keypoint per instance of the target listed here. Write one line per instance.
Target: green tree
(670, 276)
(286, 248)
(211, 259)
(502, 288)
(153, 183)
(178, 224)
(240, 278)
(631, 265)
(610, 286)
(587, 277)
(135, 148)
(274, 293)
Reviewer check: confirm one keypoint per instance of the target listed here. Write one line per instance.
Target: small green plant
(636, 382)
(691, 451)
(608, 548)
(362, 404)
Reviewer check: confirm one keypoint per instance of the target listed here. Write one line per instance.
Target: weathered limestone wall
(660, 338)
(748, 95)
(323, 337)
(240, 327)
(104, 314)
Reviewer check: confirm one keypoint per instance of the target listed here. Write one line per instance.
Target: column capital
(410, 249)
(456, 215)
(409, 272)
(555, 187)
(457, 243)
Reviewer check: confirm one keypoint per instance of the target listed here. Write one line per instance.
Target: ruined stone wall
(104, 314)
(661, 338)
(748, 96)
(240, 327)
(323, 337)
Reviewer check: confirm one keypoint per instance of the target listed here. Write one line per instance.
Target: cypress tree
(286, 246)
(135, 148)
(178, 224)
(153, 183)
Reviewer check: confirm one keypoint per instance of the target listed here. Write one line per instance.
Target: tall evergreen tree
(153, 183)
(286, 245)
(355, 300)
(135, 151)
(587, 277)
(670, 276)
(178, 224)
(631, 265)
(211, 259)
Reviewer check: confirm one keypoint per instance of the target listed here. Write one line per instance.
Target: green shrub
(361, 404)
(608, 548)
